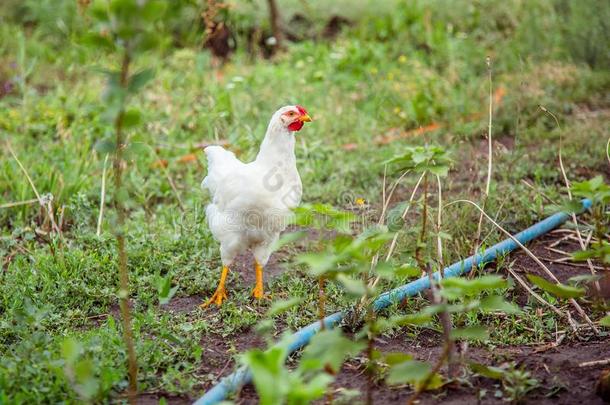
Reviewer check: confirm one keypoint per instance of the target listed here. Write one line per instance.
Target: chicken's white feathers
(251, 202)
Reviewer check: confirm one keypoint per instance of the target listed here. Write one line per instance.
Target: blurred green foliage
(396, 67)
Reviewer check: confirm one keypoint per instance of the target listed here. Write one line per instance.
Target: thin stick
(562, 252)
(572, 264)
(25, 172)
(102, 198)
(439, 223)
(387, 200)
(608, 150)
(539, 298)
(567, 183)
(534, 257)
(490, 146)
(404, 215)
(395, 238)
(558, 241)
(19, 203)
(42, 203)
(385, 171)
(477, 239)
(595, 363)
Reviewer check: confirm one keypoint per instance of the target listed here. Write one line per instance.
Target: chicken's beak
(305, 118)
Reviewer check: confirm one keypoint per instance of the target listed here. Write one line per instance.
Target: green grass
(404, 67)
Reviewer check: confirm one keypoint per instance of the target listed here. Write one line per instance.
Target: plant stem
(321, 301)
(477, 240)
(422, 387)
(370, 370)
(120, 238)
(445, 317)
(371, 365)
(276, 28)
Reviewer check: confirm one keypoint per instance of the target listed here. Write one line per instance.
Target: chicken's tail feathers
(220, 163)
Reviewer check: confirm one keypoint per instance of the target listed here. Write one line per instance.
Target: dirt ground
(561, 379)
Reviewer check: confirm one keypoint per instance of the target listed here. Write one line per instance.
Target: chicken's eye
(291, 114)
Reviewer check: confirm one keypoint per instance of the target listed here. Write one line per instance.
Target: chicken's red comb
(302, 110)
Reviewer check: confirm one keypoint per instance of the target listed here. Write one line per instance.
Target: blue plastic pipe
(233, 382)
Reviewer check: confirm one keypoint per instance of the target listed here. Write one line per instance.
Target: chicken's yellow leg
(258, 288)
(221, 292)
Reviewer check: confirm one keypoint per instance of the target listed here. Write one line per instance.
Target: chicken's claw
(221, 292)
(257, 292)
(217, 298)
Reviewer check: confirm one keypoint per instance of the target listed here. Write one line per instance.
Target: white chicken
(251, 202)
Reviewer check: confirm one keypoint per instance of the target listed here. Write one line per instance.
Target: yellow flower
(360, 201)
(402, 59)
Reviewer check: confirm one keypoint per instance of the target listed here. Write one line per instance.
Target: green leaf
(287, 239)
(282, 306)
(495, 373)
(153, 10)
(394, 358)
(139, 80)
(319, 263)
(147, 41)
(99, 10)
(328, 348)
(470, 333)
(305, 392)
(352, 286)
(99, 41)
(428, 158)
(408, 372)
(599, 252)
(105, 146)
(268, 373)
(131, 118)
(165, 289)
(124, 7)
(134, 149)
(558, 290)
(418, 318)
(88, 385)
(387, 271)
(70, 350)
(605, 321)
(495, 303)
(457, 287)
(394, 216)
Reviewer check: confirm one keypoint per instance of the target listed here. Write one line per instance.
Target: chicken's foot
(221, 292)
(257, 292)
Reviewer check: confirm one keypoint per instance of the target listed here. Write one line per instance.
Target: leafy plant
(276, 384)
(556, 289)
(127, 28)
(165, 289)
(517, 383)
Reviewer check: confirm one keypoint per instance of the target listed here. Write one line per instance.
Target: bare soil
(556, 368)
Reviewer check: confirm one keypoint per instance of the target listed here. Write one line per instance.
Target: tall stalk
(276, 25)
(477, 241)
(437, 299)
(120, 239)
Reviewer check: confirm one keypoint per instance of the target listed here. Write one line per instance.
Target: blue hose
(233, 382)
